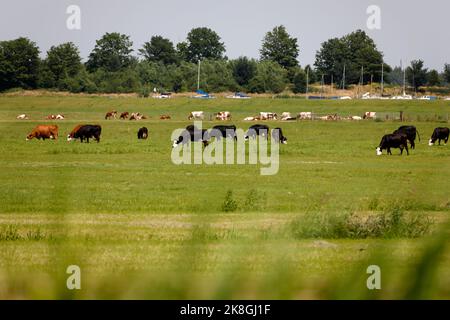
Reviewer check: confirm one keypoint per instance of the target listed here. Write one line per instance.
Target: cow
(252, 119)
(124, 115)
(22, 117)
(286, 116)
(223, 115)
(164, 117)
(370, 115)
(59, 117)
(278, 137)
(304, 116)
(222, 131)
(44, 132)
(396, 140)
(410, 132)
(83, 132)
(439, 134)
(55, 117)
(268, 116)
(142, 133)
(257, 130)
(331, 117)
(196, 115)
(111, 114)
(137, 116)
(191, 134)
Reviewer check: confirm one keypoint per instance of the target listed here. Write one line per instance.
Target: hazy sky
(409, 29)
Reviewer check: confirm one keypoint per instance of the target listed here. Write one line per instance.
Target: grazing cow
(257, 130)
(22, 117)
(191, 134)
(196, 115)
(124, 115)
(221, 131)
(304, 116)
(268, 116)
(396, 140)
(286, 116)
(165, 117)
(332, 117)
(44, 132)
(59, 117)
(83, 132)
(223, 115)
(410, 132)
(137, 116)
(439, 134)
(370, 115)
(277, 135)
(55, 117)
(111, 114)
(143, 133)
(357, 118)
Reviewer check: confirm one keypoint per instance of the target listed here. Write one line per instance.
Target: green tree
(299, 81)
(446, 74)
(201, 43)
(416, 74)
(280, 47)
(244, 70)
(434, 79)
(353, 51)
(159, 49)
(269, 77)
(19, 64)
(112, 53)
(63, 61)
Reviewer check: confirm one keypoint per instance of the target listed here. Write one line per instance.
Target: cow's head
(379, 151)
(29, 137)
(431, 142)
(69, 137)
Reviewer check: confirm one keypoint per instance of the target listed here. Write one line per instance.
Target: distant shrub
(393, 224)
(254, 201)
(229, 204)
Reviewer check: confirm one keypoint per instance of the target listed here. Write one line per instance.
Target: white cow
(196, 115)
(251, 118)
(22, 117)
(304, 116)
(286, 116)
(268, 116)
(370, 115)
(223, 115)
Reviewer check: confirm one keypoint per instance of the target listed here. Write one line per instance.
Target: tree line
(114, 67)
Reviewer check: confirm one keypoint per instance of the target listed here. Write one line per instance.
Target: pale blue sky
(410, 29)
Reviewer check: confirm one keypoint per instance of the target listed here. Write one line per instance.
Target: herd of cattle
(398, 139)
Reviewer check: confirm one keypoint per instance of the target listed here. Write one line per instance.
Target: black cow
(277, 135)
(222, 131)
(191, 134)
(257, 130)
(410, 132)
(439, 134)
(396, 140)
(86, 132)
(142, 133)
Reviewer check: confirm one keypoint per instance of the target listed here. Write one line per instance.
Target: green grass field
(141, 227)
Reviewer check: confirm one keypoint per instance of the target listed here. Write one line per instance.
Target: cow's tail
(418, 134)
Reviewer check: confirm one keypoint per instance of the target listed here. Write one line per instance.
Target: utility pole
(382, 78)
(307, 82)
(343, 79)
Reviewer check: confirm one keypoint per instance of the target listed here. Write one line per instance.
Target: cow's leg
(389, 151)
(407, 151)
(413, 144)
(401, 150)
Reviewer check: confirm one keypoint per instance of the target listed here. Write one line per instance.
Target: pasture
(141, 227)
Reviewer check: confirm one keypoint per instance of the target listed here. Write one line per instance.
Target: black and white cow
(222, 131)
(411, 133)
(439, 134)
(142, 133)
(396, 140)
(191, 134)
(277, 135)
(257, 130)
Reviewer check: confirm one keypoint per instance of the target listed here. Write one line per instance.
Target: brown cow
(111, 114)
(164, 117)
(44, 132)
(72, 133)
(124, 115)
